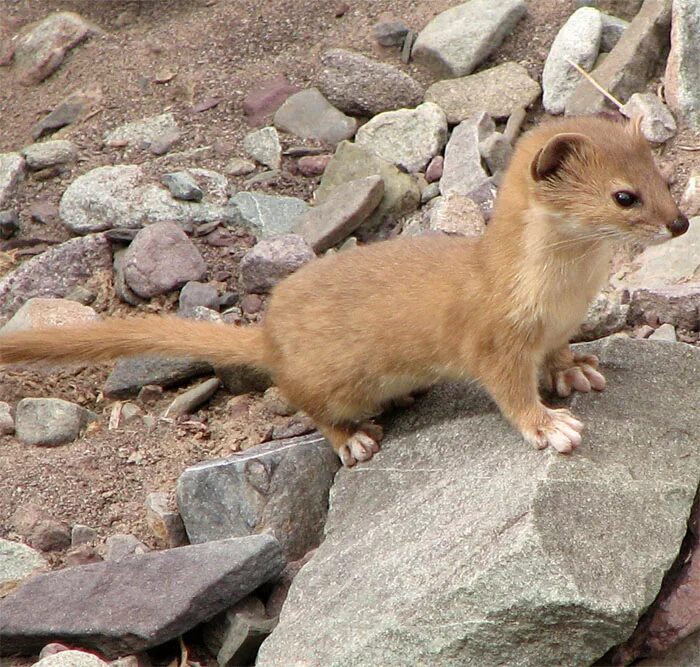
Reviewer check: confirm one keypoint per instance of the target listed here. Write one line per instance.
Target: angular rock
(260, 104)
(38, 313)
(485, 551)
(363, 86)
(80, 534)
(160, 259)
(121, 545)
(613, 29)
(18, 562)
(658, 123)
(40, 529)
(666, 264)
(7, 420)
(130, 375)
(264, 146)
(272, 260)
(665, 332)
(495, 150)
(40, 52)
(182, 186)
(44, 212)
(195, 294)
(678, 304)
(56, 272)
(11, 173)
(457, 214)
(631, 63)
(627, 9)
(408, 138)
(389, 33)
(606, 315)
(462, 170)
(682, 80)
(268, 215)
(67, 111)
(191, 400)
(144, 131)
(690, 202)
(579, 41)
(239, 167)
(118, 196)
(280, 487)
(49, 153)
(9, 223)
(152, 598)
(234, 637)
(345, 208)
(309, 115)
(313, 165)
(498, 91)
(351, 162)
(456, 41)
(47, 422)
(165, 523)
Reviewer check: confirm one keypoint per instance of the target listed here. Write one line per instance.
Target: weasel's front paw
(554, 428)
(582, 376)
(361, 445)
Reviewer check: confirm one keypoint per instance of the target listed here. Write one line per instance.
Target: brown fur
(346, 334)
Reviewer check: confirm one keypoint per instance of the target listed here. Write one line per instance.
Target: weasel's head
(605, 184)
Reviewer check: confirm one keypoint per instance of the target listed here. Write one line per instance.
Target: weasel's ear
(551, 156)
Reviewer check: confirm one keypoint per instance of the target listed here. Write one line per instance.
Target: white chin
(659, 238)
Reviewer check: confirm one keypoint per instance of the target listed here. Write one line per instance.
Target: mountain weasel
(347, 334)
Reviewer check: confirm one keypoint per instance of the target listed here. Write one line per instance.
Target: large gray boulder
(458, 544)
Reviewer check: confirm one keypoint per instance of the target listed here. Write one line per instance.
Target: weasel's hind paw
(558, 429)
(361, 445)
(583, 377)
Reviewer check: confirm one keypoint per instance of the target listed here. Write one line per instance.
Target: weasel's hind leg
(353, 443)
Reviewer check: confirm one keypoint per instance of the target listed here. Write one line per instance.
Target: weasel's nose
(678, 226)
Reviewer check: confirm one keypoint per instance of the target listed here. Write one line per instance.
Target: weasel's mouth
(660, 236)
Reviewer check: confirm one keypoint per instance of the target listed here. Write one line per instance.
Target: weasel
(347, 334)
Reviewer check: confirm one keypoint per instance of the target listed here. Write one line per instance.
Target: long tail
(113, 338)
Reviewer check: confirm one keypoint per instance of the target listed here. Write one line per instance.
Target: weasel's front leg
(563, 371)
(512, 383)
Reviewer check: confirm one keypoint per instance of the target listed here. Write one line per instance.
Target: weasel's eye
(625, 199)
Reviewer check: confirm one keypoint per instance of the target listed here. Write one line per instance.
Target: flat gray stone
(498, 91)
(11, 173)
(130, 375)
(144, 131)
(462, 171)
(682, 80)
(351, 162)
(579, 41)
(268, 215)
(363, 86)
(484, 551)
(160, 259)
(632, 62)
(138, 602)
(182, 186)
(456, 41)
(280, 487)
(345, 208)
(47, 422)
(264, 146)
(56, 272)
(49, 153)
(18, 562)
(309, 115)
(408, 138)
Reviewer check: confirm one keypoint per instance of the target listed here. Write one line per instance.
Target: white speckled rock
(11, 172)
(579, 41)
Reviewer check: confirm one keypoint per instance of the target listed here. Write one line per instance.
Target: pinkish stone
(433, 171)
(260, 104)
(313, 165)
